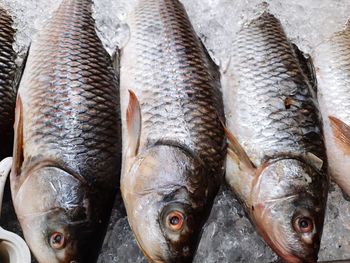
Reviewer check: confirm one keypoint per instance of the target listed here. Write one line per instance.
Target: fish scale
(180, 98)
(7, 83)
(271, 77)
(70, 96)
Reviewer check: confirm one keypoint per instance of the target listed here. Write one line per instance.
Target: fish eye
(175, 220)
(57, 240)
(303, 224)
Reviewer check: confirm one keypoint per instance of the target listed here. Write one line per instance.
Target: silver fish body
(331, 59)
(67, 153)
(178, 165)
(276, 160)
(8, 87)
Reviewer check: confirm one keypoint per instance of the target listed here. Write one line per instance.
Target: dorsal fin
(18, 142)
(341, 133)
(237, 153)
(308, 68)
(214, 68)
(133, 124)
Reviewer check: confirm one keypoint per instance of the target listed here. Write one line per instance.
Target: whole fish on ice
(331, 60)
(276, 158)
(175, 142)
(67, 151)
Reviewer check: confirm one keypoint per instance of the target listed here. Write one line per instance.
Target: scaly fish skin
(7, 83)
(331, 59)
(276, 153)
(174, 162)
(68, 139)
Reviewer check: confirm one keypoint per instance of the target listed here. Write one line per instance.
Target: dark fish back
(71, 98)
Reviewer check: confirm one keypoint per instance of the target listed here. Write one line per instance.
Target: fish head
(288, 206)
(166, 196)
(53, 208)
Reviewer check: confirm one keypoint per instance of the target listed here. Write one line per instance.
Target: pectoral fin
(116, 61)
(237, 153)
(18, 142)
(133, 123)
(341, 134)
(314, 161)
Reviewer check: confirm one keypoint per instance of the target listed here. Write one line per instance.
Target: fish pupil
(304, 224)
(57, 239)
(174, 220)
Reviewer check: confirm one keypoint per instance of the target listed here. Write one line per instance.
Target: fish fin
(237, 153)
(116, 60)
(314, 161)
(341, 133)
(133, 123)
(308, 68)
(18, 142)
(213, 66)
(20, 70)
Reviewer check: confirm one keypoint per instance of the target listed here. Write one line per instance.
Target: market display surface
(264, 77)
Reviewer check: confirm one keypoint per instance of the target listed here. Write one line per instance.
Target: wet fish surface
(175, 143)
(8, 87)
(331, 59)
(67, 152)
(276, 161)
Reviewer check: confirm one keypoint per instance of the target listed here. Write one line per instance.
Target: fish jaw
(165, 180)
(63, 207)
(284, 193)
